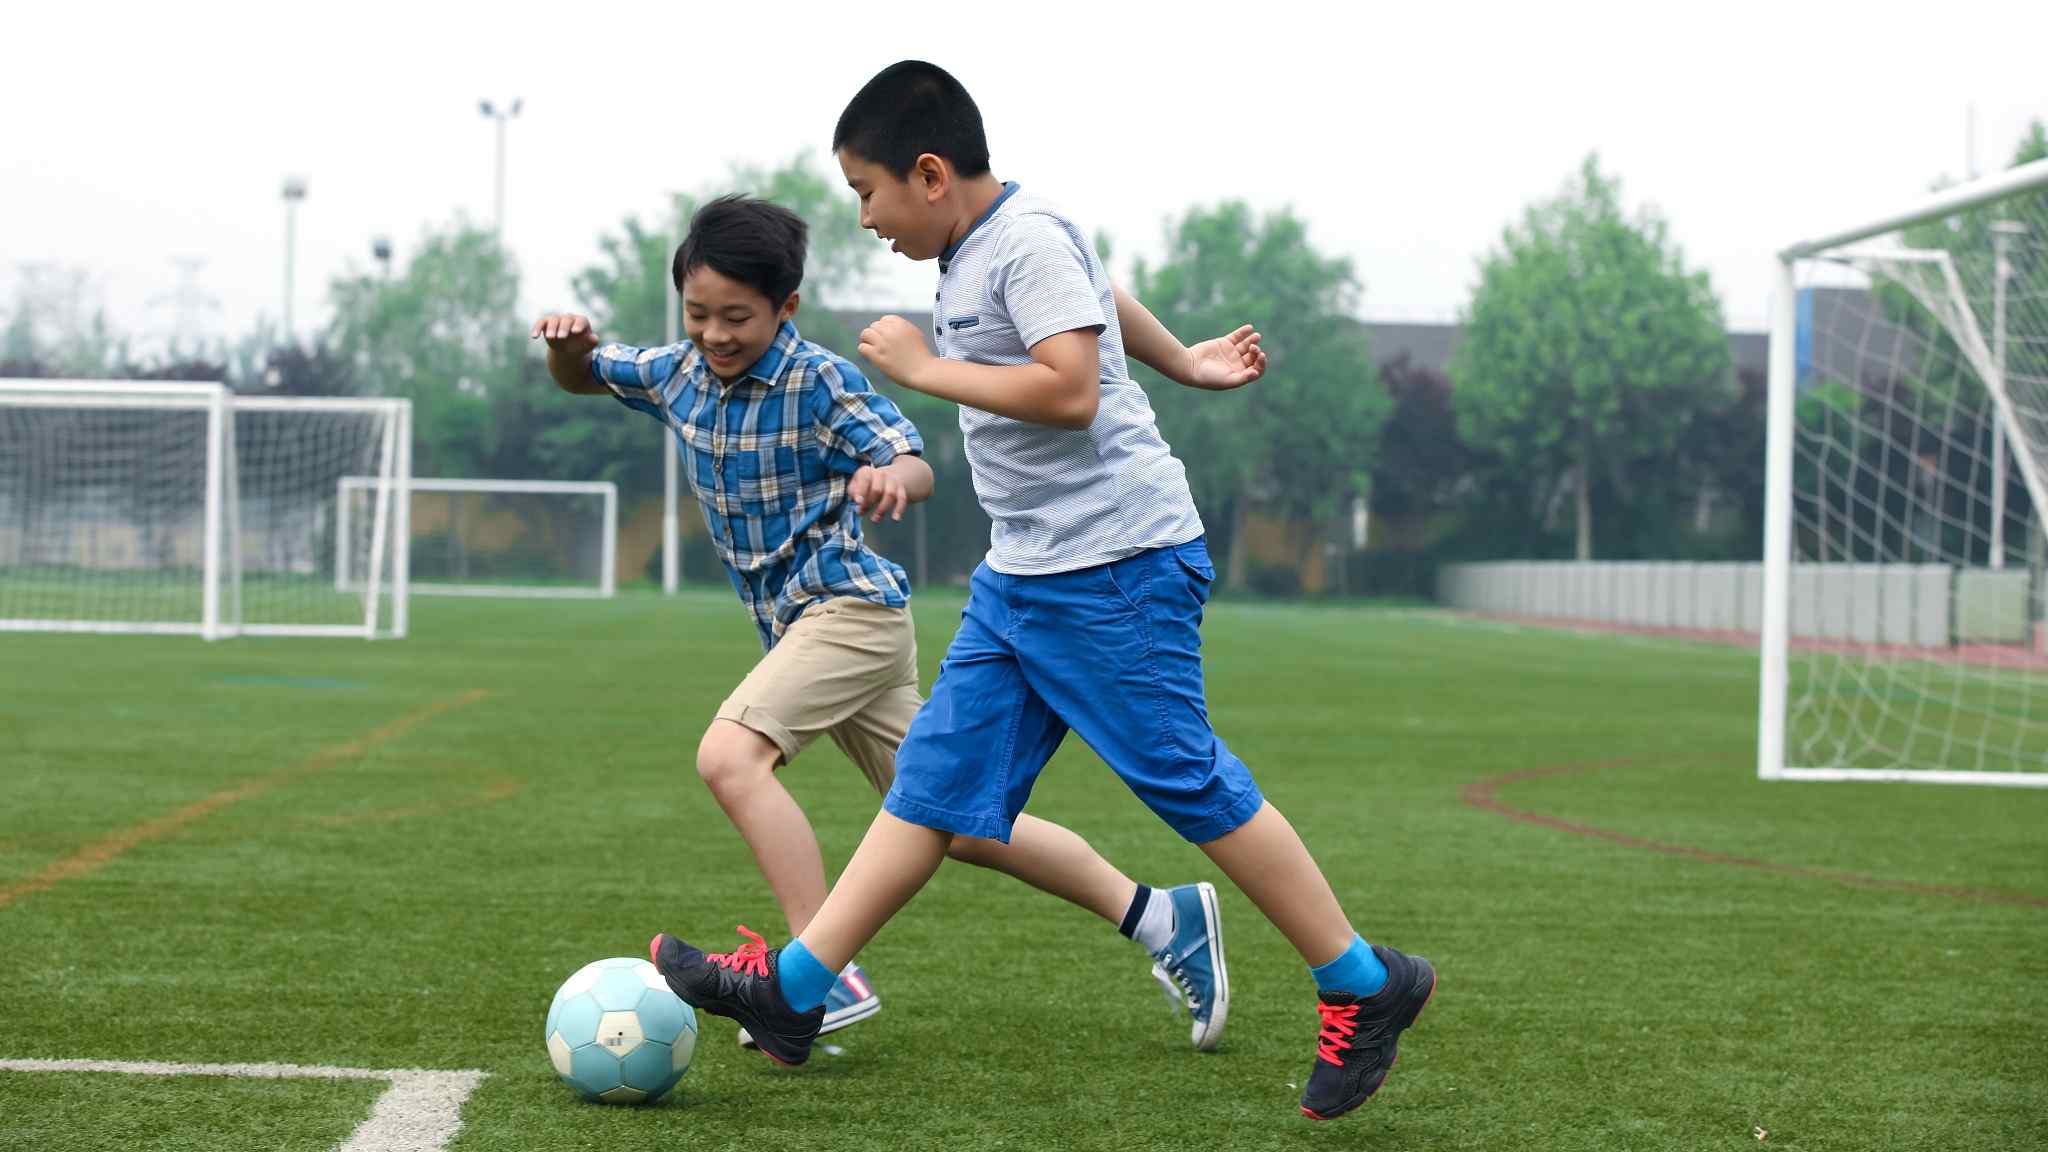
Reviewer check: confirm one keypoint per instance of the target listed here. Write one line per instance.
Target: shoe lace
(750, 958)
(1340, 1022)
(1187, 987)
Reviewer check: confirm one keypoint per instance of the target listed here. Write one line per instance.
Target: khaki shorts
(847, 668)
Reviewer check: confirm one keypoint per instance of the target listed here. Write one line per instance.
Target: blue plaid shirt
(769, 456)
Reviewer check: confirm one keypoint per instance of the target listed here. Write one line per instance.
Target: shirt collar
(952, 250)
(768, 368)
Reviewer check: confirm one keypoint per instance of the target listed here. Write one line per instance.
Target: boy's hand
(1227, 361)
(896, 347)
(565, 332)
(878, 492)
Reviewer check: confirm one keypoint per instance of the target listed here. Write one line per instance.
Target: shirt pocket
(970, 333)
(765, 468)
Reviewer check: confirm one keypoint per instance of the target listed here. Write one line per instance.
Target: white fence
(1914, 605)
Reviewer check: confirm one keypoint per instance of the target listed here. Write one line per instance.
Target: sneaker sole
(1207, 1036)
(845, 1017)
(1412, 1018)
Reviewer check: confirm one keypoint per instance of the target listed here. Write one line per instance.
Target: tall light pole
(2002, 234)
(294, 191)
(671, 522)
(493, 112)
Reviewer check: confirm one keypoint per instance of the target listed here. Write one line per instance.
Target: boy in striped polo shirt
(1084, 616)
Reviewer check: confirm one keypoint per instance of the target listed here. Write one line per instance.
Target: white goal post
(1906, 482)
(184, 508)
(496, 538)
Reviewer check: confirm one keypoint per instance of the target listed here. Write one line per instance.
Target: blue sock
(804, 981)
(1358, 971)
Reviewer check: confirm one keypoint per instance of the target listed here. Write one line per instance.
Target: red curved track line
(1480, 794)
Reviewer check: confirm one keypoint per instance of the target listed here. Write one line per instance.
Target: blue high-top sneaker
(1190, 968)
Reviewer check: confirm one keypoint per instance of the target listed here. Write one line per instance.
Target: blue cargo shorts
(1112, 652)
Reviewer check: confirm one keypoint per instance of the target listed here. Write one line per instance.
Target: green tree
(1421, 459)
(626, 294)
(18, 341)
(1302, 441)
(1971, 240)
(61, 325)
(1588, 347)
(444, 334)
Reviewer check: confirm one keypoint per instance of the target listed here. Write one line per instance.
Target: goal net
(1903, 601)
(184, 508)
(533, 538)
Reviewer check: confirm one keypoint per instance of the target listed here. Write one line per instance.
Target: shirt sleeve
(642, 379)
(1042, 278)
(858, 424)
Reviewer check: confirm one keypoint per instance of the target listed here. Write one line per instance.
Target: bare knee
(732, 758)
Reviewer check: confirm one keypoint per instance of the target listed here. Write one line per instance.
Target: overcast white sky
(139, 135)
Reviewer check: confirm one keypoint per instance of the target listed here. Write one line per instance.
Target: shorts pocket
(1193, 558)
(1127, 583)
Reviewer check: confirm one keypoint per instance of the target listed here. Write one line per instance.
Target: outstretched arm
(570, 343)
(1213, 365)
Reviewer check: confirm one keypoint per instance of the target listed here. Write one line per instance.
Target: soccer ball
(617, 1034)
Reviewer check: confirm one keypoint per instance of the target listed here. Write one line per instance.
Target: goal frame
(1774, 678)
(607, 584)
(220, 547)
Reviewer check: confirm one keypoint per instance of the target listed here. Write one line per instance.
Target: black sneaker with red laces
(740, 985)
(1361, 1034)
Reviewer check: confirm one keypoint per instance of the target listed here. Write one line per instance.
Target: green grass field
(332, 852)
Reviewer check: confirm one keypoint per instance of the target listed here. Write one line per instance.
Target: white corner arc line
(420, 1112)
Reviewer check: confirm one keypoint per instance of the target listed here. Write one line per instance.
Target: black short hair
(908, 109)
(752, 241)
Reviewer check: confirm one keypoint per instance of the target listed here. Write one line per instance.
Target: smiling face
(731, 323)
(907, 210)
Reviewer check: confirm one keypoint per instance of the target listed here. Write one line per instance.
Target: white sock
(1155, 925)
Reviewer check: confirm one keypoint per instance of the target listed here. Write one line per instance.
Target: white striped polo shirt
(1059, 500)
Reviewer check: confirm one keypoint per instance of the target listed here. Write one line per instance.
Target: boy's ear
(788, 310)
(935, 176)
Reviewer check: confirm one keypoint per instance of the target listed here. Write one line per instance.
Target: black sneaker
(1357, 1046)
(740, 985)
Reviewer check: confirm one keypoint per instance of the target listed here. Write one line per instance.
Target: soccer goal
(539, 538)
(1903, 635)
(146, 507)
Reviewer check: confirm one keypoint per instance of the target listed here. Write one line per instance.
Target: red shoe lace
(1339, 1022)
(751, 957)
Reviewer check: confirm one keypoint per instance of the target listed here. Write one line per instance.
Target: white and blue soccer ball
(617, 1034)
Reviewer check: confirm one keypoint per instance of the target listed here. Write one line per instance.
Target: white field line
(420, 1112)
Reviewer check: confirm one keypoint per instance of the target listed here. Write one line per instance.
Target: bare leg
(738, 765)
(1053, 859)
(895, 859)
(1267, 860)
